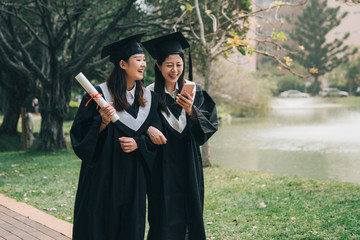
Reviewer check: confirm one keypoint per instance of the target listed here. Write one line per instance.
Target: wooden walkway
(19, 221)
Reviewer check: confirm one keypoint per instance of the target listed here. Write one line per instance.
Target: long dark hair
(160, 82)
(116, 83)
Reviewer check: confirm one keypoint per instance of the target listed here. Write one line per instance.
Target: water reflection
(304, 137)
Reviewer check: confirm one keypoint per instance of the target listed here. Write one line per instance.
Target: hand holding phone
(187, 88)
(185, 98)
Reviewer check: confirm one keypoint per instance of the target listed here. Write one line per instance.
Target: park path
(19, 221)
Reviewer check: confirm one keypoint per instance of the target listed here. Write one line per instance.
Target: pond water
(305, 137)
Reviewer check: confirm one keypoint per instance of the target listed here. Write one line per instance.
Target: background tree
(353, 76)
(61, 39)
(13, 98)
(217, 27)
(319, 55)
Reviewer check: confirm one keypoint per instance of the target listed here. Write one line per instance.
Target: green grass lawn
(238, 204)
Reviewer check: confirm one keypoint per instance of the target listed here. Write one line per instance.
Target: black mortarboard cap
(123, 48)
(173, 43)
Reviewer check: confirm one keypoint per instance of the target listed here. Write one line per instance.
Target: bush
(289, 81)
(251, 97)
(239, 92)
(73, 107)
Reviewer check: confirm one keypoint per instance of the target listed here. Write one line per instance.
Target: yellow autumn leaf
(235, 41)
(246, 41)
(288, 61)
(279, 67)
(314, 70)
(208, 11)
(301, 47)
(277, 3)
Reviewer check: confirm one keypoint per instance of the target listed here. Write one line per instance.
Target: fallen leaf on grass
(262, 205)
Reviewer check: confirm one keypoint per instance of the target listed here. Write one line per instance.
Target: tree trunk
(13, 100)
(11, 117)
(53, 108)
(205, 149)
(51, 133)
(316, 86)
(54, 105)
(205, 153)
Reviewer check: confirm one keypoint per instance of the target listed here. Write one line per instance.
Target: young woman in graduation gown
(116, 157)
(176, 191)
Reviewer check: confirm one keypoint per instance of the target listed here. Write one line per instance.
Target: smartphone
(188, 88)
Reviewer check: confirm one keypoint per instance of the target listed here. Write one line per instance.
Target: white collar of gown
(124, 116)
(177, 124)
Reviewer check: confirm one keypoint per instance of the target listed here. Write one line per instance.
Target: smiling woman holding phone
(189, 119)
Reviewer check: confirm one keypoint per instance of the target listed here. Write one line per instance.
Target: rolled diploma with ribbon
(84, 82)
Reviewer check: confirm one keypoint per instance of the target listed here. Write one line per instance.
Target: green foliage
(346, 76)
(353, 75)
(336, 78)
(73, 107)
(312, 26)
(283, 80)
(280, 36)
(289, 81)
(238, 92)
(249, 96)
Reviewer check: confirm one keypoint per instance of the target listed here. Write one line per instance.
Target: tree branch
(277, 59)
(201, 23)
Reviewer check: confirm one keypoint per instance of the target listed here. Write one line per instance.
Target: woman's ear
(159, 67)
(123, 64)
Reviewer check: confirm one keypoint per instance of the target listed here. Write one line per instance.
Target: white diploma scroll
(84, 82)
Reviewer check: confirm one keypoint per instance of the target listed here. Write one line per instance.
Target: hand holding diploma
(84, 82)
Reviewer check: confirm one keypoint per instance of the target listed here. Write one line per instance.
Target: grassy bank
(347, 101)
(238, 204)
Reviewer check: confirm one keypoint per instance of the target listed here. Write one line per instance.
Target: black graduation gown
(111, 197)
(176, 189)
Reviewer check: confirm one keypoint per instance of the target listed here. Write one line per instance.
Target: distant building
(351, 23)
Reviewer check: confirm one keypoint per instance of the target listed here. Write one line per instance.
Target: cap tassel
(190, 66)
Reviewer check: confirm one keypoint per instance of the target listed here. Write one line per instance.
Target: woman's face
(172, 68)
(134, 67)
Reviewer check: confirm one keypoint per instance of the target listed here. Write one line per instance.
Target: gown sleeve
(205, 110)
(84, 133)
(146, 147)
